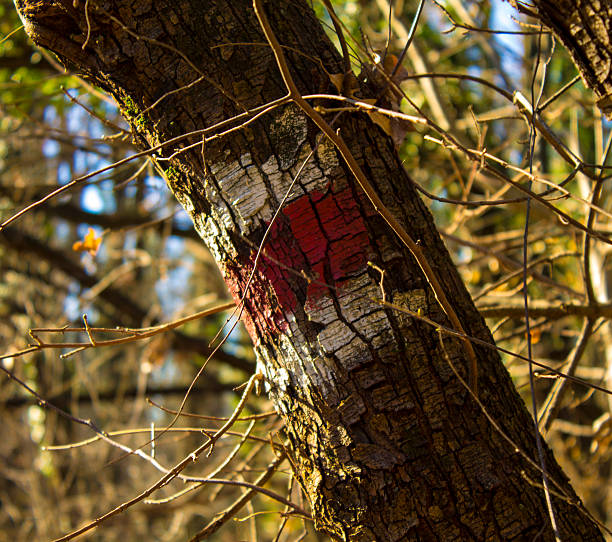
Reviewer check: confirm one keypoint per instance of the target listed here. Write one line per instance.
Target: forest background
(119, 249)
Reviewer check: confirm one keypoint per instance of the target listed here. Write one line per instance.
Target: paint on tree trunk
(320, 236)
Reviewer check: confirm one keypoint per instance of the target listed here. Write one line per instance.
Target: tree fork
(385, 440)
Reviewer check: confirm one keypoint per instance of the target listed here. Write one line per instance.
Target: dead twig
(365, 185)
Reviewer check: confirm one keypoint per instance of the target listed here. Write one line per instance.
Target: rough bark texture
(585, 28)
(386, 442)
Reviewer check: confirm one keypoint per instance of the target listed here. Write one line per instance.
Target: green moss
(172, 173)
(172, 176)
(134, 115)
(130, 106)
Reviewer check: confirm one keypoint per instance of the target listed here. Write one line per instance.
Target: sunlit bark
(585, 28)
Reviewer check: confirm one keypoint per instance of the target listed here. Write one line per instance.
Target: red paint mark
(321, 234)
(331, 232)
(316, 290)
(271, 292)
(336, 234)
(306, 228)
(347, 256)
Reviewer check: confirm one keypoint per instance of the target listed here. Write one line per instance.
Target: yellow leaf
(90, 243)
(536, 335)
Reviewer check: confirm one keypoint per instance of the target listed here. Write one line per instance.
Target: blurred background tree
(463, 69)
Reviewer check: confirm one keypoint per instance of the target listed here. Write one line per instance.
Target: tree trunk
(384, 439)
(585, 28)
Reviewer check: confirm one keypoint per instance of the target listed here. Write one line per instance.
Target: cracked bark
(385, 441)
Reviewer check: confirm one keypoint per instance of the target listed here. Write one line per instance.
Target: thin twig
(552, 404)
(367, 188)
(175, 471)
(135, 334)
(231, 511)
(147, 430)
(534, 405)
(409, 38)
(338, 28)
(213, 474)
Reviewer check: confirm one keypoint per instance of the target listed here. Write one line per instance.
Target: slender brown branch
(338, 28)
(552, 405)
(367, 188)
(489, 345)
(147, 431)
(538, 309)
(233, 509)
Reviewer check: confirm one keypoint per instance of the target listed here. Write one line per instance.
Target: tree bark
(585, 28)
(384, 439)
